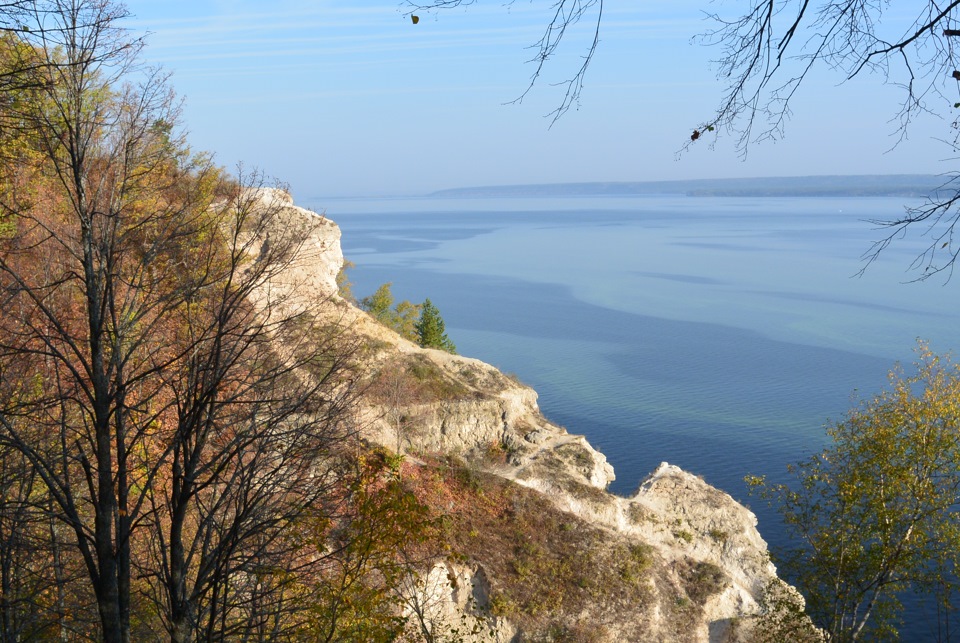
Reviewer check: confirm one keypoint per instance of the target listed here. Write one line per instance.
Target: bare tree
(770, 50)
(164, 395)
(563, 17)
(396, 389)
(67, 274)
(259, 410)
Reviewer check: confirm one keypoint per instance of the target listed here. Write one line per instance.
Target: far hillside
(903, 185)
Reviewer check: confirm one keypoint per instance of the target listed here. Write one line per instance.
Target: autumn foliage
(178, 452)
(874, 516)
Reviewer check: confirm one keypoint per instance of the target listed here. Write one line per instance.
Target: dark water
(716, 334)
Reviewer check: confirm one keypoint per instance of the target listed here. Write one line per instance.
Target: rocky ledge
(707, 575)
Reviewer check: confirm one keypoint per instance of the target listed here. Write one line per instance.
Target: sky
(350, 98)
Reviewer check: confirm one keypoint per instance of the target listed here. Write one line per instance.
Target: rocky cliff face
(706, 567)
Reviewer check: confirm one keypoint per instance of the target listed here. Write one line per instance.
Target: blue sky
(340, 97)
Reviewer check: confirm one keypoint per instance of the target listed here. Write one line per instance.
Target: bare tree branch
(564, 16)
(769, 51)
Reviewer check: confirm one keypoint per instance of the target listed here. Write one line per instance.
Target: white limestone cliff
(472, 409)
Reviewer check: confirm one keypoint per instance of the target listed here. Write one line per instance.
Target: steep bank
(545, 551)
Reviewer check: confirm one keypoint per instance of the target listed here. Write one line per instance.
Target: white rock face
(685, 520)
(701, 522)
(314, 272)
(724, 531)
(448, 602)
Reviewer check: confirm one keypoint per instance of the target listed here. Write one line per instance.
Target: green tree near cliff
(431, 331)
(401, 317)
(344, 286)
(405, 320)
(380, 305)
(875, 514)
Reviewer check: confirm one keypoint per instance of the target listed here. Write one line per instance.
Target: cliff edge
(678, 560)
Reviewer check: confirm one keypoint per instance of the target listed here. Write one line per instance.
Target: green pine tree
(431, 332)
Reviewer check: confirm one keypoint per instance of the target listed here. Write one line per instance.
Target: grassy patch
(583, 491)
(414, 379)
(683, 535)
(639, 514)
(577, 455)
(719, 535)
(702, 580)
(434, 381)
(636, 563)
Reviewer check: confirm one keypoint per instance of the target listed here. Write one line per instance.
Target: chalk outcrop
(708, 557)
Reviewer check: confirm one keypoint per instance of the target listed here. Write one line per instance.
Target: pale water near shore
(718, 334)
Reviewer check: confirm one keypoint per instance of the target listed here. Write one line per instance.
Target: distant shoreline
(901, 185)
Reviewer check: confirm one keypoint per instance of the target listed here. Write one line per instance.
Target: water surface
(718, 334)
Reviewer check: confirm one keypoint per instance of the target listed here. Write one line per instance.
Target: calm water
(716, 334)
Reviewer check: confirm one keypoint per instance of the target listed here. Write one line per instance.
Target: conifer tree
(431, 332)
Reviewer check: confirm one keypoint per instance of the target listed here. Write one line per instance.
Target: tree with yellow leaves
(875, 514)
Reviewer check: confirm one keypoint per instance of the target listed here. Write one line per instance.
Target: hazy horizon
(591, 188)
(347, 98)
